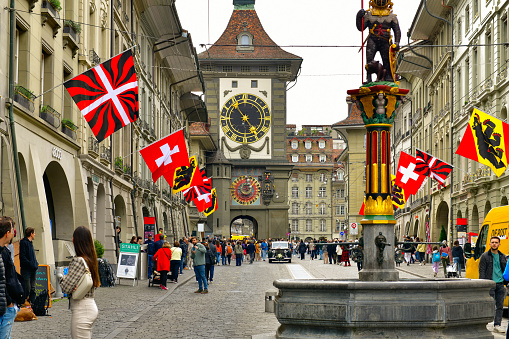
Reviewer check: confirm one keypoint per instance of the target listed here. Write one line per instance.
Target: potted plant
(76, 27)
(119, 168)
(127, 171)
(99, 248)
(69, 128)
(55, 4)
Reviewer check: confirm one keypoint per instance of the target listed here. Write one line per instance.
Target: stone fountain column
(378, 104)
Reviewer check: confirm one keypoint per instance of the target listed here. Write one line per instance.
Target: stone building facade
(476, 70)
(67, 178)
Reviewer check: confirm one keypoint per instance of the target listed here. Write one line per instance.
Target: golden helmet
(381, 3)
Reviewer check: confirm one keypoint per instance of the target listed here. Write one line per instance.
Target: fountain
(380, 304)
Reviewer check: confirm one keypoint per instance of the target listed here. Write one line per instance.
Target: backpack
(40, 304)
(229, 249)
(106, 273)
(436, 257)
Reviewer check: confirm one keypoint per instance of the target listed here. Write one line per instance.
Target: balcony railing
(417, 116)
(93, 147)
(49, 115)
(50, 15)
(94, 58)
(24, 97)
(106, 154)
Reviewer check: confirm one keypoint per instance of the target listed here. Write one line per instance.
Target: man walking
(250, 250)
(14, 293)
(239, 251)
(183, 259)
(264, 249)
(151, 250)
(28, 263)
(491, 267)
(198, 255)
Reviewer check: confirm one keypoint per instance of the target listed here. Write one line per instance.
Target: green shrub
(99, 248)
(75, 26)
(55, 4)
(69, 124)
(443, 234)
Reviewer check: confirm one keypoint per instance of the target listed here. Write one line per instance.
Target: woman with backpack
(210, 259)
(84, 311)
(229, 252)
(445, 256)
(436, 260)
(163, 257)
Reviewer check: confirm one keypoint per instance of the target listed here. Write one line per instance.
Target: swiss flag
(202, 201)
(165, 155)
(407, 177)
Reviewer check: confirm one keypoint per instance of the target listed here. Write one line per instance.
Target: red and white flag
(166, 155)
(202, 201)
(107, 95)
(406, 176)
(195, 190)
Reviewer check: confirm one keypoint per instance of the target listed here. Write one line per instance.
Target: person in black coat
(331, 249)
(302, 249)
(28, 263)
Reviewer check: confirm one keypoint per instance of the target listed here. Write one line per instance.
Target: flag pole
(52, 88)
(362, 43)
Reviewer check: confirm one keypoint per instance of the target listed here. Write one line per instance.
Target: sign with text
(128, 261)
(354, 228)
(149, 227)
(42, 281)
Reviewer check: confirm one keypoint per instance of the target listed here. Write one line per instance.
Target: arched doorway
(475, 220)
(442, 220)
(100, 213)
(120, 215)
(487, 208)
(407, 229)
(504, 201)
(165, 223)
(415, 229)
(59, 202)
(24, 175)
(244, 225)
(426, 235)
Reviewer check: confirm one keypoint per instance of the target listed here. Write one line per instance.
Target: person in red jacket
(163, 257)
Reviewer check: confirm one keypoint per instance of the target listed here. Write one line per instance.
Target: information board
(42, 281)
(128, 261)
(149, 227)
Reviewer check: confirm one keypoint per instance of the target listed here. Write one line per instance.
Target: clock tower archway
(246, 75)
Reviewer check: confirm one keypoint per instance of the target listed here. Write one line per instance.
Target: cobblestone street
(234, 307)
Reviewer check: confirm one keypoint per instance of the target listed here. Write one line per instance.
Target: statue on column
(380, 20)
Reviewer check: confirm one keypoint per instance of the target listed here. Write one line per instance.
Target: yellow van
(496, 223)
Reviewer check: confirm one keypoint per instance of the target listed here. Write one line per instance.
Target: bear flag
(107, 95)
(486, 140)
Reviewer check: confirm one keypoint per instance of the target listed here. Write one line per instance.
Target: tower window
(228, 69)
(245, 41)
(264, 69)
(254, 83)
(245, 69)
(235, 84)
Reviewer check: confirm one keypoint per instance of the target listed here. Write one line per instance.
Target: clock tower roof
(257, 46)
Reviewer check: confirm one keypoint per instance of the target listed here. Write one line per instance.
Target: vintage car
(280, 252)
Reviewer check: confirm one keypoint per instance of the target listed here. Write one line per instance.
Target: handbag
(84, 285)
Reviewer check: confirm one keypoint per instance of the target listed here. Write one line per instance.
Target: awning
(193, 108)
(424, 24)
(412, 60)
(173, 43)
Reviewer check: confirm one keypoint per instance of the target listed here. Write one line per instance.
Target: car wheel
(290, 261)
(270, 261)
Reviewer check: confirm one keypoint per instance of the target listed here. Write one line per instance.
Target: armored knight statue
(380, 20)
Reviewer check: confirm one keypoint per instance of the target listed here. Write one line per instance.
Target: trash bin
(270, 301)
(143, 266)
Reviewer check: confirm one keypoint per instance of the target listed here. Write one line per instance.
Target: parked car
(280, 252)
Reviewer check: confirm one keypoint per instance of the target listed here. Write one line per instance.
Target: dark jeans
(238, 259)
(199, 271)
(251, 257)
(445, 262)
(498, 293)
(223, 259)
(150, 261)
(29, 278)
(174, 269)
(359, 265)
(164, 277)
(229, 256)
(302, 256)
(209, 272)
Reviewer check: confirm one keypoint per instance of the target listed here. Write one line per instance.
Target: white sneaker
(498, 328)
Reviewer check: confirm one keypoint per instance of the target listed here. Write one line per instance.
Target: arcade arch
(59, 202)
(244, 225)
(442, 220)
(475, 219)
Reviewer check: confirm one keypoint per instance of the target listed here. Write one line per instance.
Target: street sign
(128, 261)
(354, 229)
(287, 234)
(341, 233)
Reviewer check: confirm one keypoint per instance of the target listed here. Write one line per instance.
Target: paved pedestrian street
(233, 308)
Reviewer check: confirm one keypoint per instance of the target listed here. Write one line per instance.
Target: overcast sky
(327, 73)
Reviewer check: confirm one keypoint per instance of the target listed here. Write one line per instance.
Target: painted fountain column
(378, 103)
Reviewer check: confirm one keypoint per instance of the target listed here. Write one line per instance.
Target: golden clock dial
(245, 118)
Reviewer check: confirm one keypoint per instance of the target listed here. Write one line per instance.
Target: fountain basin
(318, 308)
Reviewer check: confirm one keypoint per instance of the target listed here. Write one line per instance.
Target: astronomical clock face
(244, 191)
(245, 118)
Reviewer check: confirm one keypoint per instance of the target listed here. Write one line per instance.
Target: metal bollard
(270, 301)
(59, 273)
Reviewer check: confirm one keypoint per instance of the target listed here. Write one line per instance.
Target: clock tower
(246, 76)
